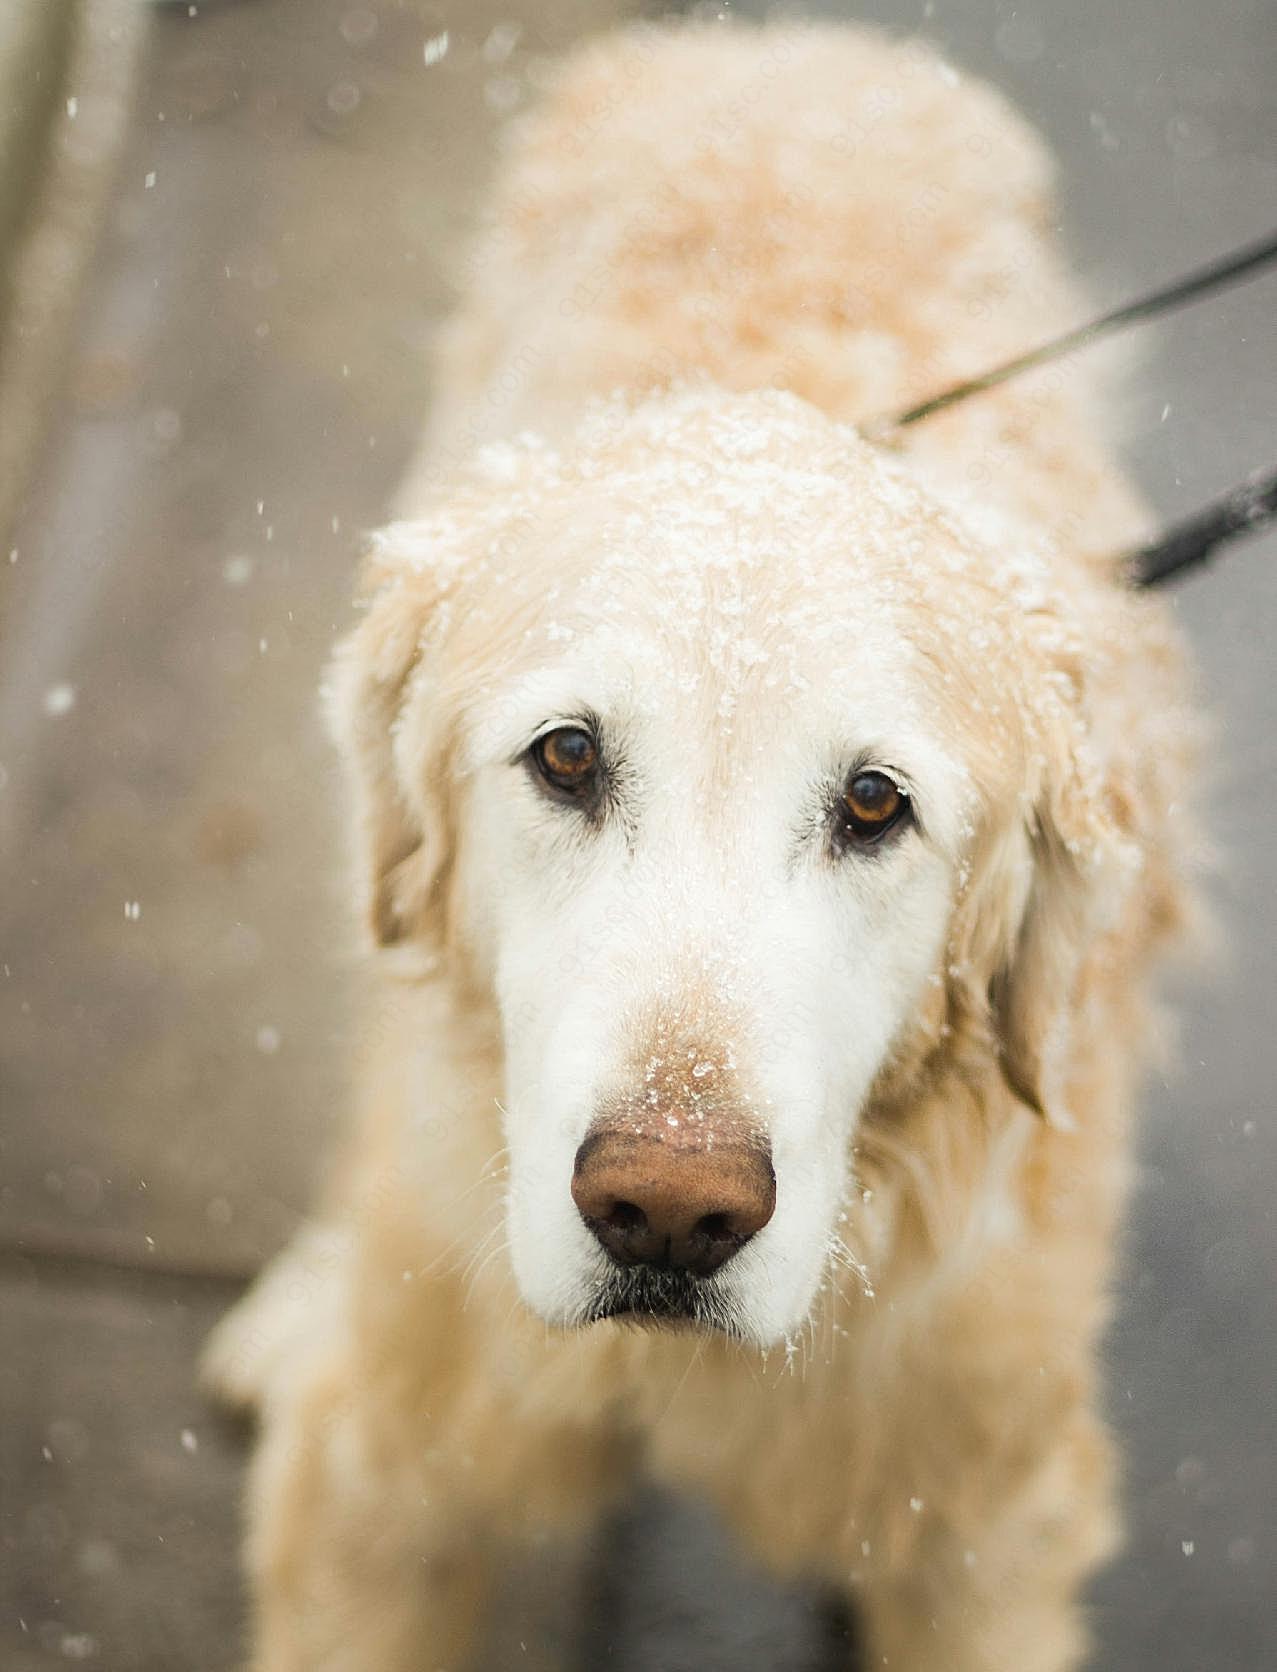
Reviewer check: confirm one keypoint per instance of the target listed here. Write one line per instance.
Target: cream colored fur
(759, 238)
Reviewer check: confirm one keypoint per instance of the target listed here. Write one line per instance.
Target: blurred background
(228, 230)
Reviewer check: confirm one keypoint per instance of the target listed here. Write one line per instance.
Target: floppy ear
(395, 763)
(1030, 993)
(1079, 868)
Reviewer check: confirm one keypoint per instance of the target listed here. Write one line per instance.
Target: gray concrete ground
(173, 1039)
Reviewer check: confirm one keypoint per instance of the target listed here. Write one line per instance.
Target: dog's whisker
(474, 1275)
(481, 1247)
(469, 1294)
(691, 1364)
(842, 1257)
(496, 1166)
(461, 1243)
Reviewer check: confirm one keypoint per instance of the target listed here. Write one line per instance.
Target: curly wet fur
(838, 216)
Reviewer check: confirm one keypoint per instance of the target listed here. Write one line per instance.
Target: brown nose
(655, 1202)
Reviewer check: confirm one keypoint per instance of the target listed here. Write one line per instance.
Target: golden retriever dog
(768, 830)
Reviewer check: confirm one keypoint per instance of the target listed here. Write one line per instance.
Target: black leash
(1242, 510)
(1217, 276)
(1187, 544)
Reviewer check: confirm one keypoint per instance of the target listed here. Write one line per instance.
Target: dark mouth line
(660, 1294)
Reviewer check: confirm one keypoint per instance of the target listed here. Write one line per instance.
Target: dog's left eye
(871, 805)
(568, 760)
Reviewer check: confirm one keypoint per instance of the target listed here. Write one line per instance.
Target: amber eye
(871, 805)
(567, 759)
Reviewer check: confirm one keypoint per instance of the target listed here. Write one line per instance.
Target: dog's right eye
(568, 760)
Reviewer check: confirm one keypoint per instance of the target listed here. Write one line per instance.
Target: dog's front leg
(378, 1528)
(1003, 1598)
(360, 1560)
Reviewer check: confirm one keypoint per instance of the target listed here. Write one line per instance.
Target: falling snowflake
(59, 699)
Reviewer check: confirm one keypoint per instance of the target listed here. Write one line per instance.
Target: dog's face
(713, 756)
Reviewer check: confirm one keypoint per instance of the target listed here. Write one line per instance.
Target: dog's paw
(292, 1310)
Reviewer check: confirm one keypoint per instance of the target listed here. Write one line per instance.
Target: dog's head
(734, 774)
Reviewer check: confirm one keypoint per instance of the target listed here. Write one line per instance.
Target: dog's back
(816, 209)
